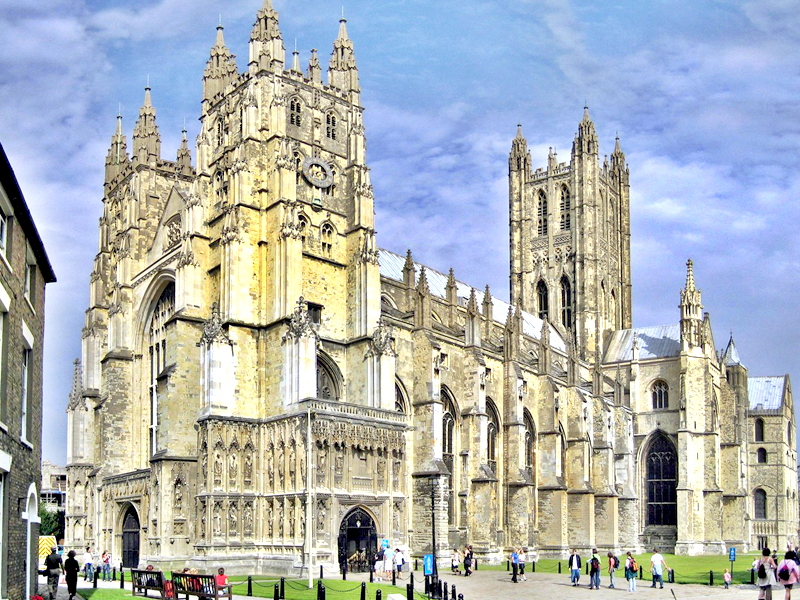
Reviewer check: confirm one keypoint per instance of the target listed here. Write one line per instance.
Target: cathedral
(262, 387)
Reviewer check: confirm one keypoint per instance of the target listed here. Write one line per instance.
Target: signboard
(732, 554)
(384, 544)
(427, 563)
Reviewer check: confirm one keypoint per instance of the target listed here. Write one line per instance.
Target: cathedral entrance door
(130, 539)
(358, 541)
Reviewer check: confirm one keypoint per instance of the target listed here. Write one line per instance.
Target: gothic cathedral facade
(260, 382)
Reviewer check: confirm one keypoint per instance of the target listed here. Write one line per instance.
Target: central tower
(570, 239)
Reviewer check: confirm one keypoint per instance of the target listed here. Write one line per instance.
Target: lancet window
(565, 208)
(164, 308)
(541, 297)
(760, 504)
(295, 112)
(330, 126)
(493, 434)
(662, 483)
(448, 448)
(326, 239)
(541, 213)
(759, 430)
(566, 303)
(660, 395)
(530, 445)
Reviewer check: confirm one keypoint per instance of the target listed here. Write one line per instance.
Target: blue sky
(704, 96)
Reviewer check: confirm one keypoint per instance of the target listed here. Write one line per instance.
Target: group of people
(388, 560)
(518, 560)
(466, 556)
(89, 565)
(54, 568)
(657, 567)
(769, 572)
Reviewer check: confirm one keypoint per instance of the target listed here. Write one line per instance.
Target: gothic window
(328, 191)
(789, 433)
(760, 504)
(295, 112)
(326, 238)
(662, 483)
(163, 310)
(330, 126)
(541, 296)
(298, 168)
(400, 404)
(566, 303)
(220, 133)
(220, 188)
(660, 395)
(761, 454)
(759, 430)
(493, 436)
(302, 225)
(449, 447)
(612, 317)
(327, 382)
(530, 444)
(565, 208)
(541, 213)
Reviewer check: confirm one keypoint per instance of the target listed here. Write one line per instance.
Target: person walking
(594, 570)
(71, 570)
(378, 566)
(88, 564)
(788, 574)
(521, 558)
(631, 571)
(455, 562)
(613, 565)
(399, 561)
(657, 566)
(514, 565)
(468, 558)
(765, 568)
(574, 567)
(54, 569)
(388, 563)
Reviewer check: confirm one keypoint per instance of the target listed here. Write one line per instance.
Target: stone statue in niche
(269, 519)
(203, 465)
(381, 468)
(177, 504)
(396, 516)
(233, 467)
(302, 525)
(302, 469)
(322, 460)
(247, 519)
(233, 519)
(247, 470)
(271, 465)
(281, 458)
(321, 511)
(202, 531)
(396, 472)
(280, 519)
(339, 467)
(218, 518)
(291, 520)
(292, 464)
(217, 468)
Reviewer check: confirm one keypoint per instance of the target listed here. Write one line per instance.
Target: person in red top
(222, 580)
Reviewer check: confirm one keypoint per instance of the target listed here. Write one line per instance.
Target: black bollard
(363, 591)
(671, 576)
(114, 574)
(96, 577)
(394, 577)
(122, 580)
(440, 588)
(283, 590)
(476, 564)
(276, 594)
(320, 591)
(320, 571)
(378, 595)
(416, 564)
(559, 568)
(461, 597)
(711, 578)
(641, 573)
(249, 585)
(587, 568)
(372, 575)
(444, 590)
(453, 594)
(409, 592)
(533, 566)
(752, 576)
(344, 572)
(508, 566)
(411, 579)
(427, 584)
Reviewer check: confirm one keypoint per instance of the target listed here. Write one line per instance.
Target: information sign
(427, 563)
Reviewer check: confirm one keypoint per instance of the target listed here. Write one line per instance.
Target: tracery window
(330, 126)
(295, 112)
(566, 303)
(493, 434)
(327, 387)
(530, 445)
(302, 225)
(759, 430)
(565, 208)
(660, 395)
(760, 504)
(448, 449)
(541, 213)
(662, 483)
(761, 454)
(541, 296)
(326, 238)
(164, 308)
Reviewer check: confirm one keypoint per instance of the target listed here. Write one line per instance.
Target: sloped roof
(660, 341)
(392, 268)
(731, 355)
(765, 393)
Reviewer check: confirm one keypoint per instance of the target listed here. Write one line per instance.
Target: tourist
(88, 564)
(514, 565)
(726, 578)
(468, 559)
(788, 573)
(631, 571)
(765, 571)
(613, 564)
(521, 562)
(54, 569)
(222, 582)
(574, 568)
(388, 563)
(378, 567)
(399, 561)
(105, 564)
(455, 562)
(594, 570)
(657, 566)
(71, 570)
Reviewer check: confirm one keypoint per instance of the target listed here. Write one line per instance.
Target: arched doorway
(358, 540)
(130, 539)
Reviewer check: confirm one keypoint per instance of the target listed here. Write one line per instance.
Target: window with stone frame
(449, 431)
(330, 126)
(326, 239)
(759, 430)
(295, 112)
(566, 303)
(662, 482)
(4, 225)
(25, 381)
(761, 455)
(302, 226)
(162, 312)
(660, 395)
(565, 208)
(400, 404)
(542, 299)
(327, 382)
(530, 445)
(541, 214)
(760, 504)
(493, 434)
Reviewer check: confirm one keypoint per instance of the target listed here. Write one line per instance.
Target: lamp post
(434, 587)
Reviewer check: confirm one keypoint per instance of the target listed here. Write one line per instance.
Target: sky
(704, 97)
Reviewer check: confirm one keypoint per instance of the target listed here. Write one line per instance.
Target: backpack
(784, 573)
(595, 564)
(634, 568)
(616, 562)
(762, 571)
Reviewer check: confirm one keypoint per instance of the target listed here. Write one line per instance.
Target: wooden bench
(200, 586)
(141, 581)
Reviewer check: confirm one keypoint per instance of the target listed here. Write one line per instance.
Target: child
(727, 578)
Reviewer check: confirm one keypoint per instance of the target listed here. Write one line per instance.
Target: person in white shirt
(657, 566)
(399, 559)
(88, 565)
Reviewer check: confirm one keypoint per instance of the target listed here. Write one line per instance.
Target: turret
(146, 138)
(342, 71)
(184, 158)
(519, 152)
(314, 70)
(266, 44)
(117, 157)
(586, 138)
(691, 311)
(220, 68)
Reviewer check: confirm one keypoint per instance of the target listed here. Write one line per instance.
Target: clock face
(317, 173)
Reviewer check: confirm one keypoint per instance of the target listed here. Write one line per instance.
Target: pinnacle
(342, 29)
(147, 99)
(690, 275)
(519, 131)
(220, 42)
(617, 148)
(409, 264)
(586, 113)
(119, 126)
(296, 61)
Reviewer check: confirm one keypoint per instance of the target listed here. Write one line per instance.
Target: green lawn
(688, 569)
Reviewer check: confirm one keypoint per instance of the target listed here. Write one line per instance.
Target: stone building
(24, 271)
(260, 382)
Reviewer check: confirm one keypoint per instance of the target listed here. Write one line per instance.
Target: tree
(52, 523)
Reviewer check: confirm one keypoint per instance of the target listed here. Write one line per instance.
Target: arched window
(541, 213)
(662, 483)
(330, 126)
(789, 433)
(163, 310)
(448, 449)
(566, 303)
(761, 453)
(565, 208)
(220, 187)
(493, 434)
(760, 504)
(327, 381)
(326, 238)
(759, 430)
(660, 395)
(302, 226)
(400, 404)
(530, 445)
(298, 167)
(541, 295)
(295, 112)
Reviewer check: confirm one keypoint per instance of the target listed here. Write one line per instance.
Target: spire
(691, 310)
(314, 71)
(266, 44)
(472, 303)
(220, 68)
(184, 158)
(76, 393)
(342, 70)
(117, 156)
(422, 284)
(618, 157)
(690, 276)
(146, 138)
(519, 151)
(586, 138)
(731, 355)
